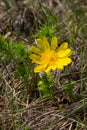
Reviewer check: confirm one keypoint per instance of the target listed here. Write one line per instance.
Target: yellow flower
(48, 56)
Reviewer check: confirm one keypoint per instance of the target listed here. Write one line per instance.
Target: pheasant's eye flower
(47, 57)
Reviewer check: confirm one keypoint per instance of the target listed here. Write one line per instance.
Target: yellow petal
(35, 50)
(64, 53)
(40, 68)
(63, 46)
(53, 43)
(40, 44)
(45, 44)
(35, 58)
(51, 67)
(65, 61)
(48, 69)
(59, 65)
(68, 52)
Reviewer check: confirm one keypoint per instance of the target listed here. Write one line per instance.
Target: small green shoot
(45, 86)
(69, 89)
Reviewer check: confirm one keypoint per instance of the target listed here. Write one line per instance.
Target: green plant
(45, 86)
(46, 31)
(18, 55)
(69, 89)
(26, 128)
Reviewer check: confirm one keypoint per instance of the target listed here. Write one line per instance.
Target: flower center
(49, 57)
